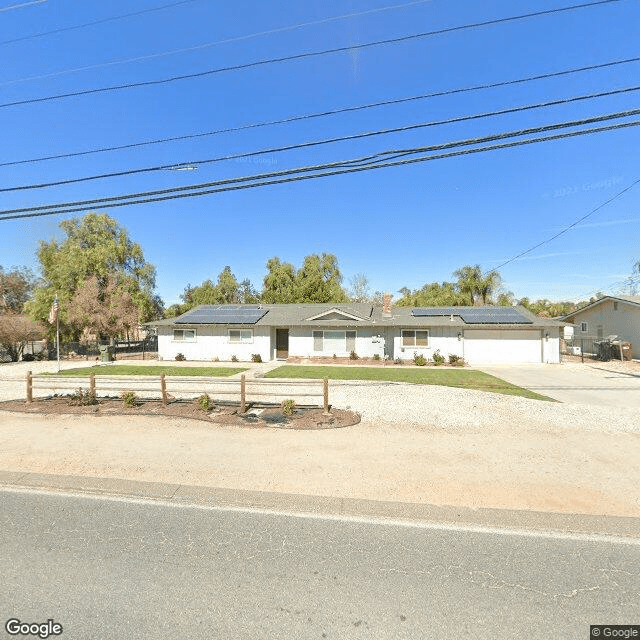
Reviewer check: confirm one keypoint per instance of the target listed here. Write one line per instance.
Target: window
(351, 341)
(184, 335)
(583, 327)
(334, 341)
(415, 338)
(241, 336)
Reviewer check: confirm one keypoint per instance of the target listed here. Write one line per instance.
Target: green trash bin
(105, 353)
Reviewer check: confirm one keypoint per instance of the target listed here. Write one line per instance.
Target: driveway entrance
(589, 383)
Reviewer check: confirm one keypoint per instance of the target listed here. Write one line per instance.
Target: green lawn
(464, 378)
(141, 370)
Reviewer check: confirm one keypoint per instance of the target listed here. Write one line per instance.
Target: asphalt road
(112, 569)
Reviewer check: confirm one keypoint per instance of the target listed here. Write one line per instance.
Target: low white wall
(212, 343)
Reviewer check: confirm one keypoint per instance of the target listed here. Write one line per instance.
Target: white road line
(308, 515)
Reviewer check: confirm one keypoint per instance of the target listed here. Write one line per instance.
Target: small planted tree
(16, 330)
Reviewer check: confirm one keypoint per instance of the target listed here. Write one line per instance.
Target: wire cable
(21, 5)
(94, 22)
(291, 175)
(302, 56)
(207, 45)
(322, 114)
(315, 143)
(571, 226)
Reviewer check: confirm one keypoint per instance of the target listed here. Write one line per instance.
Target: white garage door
(493, 347)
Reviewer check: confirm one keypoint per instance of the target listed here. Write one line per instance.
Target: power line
(21, 5)
(206, 45)
(95, 22)
(305, 55)
(571, 226)
(322, 114)
(291, 175)
(315, 143)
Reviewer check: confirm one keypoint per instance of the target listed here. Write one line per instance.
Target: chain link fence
(596, 348)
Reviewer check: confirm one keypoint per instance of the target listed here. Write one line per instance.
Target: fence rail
(168, 388)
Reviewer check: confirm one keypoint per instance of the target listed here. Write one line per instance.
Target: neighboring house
(478, 334)
(619, 315)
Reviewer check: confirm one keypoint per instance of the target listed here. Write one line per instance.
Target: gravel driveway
(454, 408)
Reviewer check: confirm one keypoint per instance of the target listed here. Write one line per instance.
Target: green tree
(94, 245)
(247, 292)
(225, 291)
(478, 288)
(319, 280)
(280, 283)
(434, 294)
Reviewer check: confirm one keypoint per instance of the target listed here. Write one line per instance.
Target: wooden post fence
(163, 388)
(243, 397)
(29, 387)
(325, 393)
(92, 384)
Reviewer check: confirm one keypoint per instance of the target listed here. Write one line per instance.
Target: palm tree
(478, 288)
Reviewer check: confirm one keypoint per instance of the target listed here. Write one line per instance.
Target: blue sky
(400, 226)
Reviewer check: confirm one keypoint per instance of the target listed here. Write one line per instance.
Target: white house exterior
(480, 335)
(611, 315)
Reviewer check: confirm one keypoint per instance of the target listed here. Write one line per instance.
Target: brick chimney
(386, 305)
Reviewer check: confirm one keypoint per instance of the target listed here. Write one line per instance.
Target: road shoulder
(514, 521)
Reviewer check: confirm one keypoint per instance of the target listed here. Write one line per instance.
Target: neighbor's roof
(633, 300)
(367, 315)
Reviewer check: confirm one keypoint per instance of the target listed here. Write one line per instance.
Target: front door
(282, 343)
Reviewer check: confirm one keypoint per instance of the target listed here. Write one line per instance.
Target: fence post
(92, 384)
(243, 397)
(582, 349)
(29, 387)
(163, 388)
(325, 393)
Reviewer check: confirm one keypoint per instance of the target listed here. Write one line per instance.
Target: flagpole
(58, 339)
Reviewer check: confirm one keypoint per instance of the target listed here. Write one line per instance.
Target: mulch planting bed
(302, 418)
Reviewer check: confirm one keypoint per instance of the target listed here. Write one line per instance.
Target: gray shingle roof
(288, 315)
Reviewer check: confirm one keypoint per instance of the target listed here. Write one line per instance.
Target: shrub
(180, 357)
(234, 358)
(398, 361)
(81, 398)
(437, 358)
(354, 356)
(288, 407)
(256, 357)
(130, 399)
(376, 356)
(418, 359)
(335, 357)
(28, 357)
(205, 402)
(455, 360)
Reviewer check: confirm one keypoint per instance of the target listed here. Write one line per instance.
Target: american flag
(55, 309)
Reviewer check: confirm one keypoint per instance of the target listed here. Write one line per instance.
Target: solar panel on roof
(225, 314)
(477, 315)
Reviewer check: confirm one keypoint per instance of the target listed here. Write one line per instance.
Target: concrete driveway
(588, 383)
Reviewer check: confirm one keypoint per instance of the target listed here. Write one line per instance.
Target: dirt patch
(302, 418)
